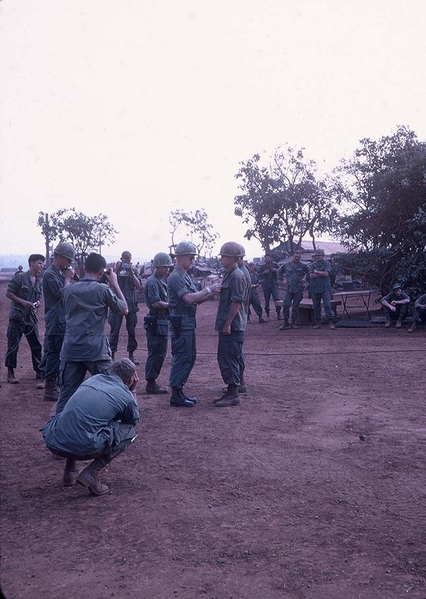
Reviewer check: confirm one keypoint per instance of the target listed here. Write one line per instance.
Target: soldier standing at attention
(183, 301)
(294, 275)
(230, 323)
(268, 278)
(156, 323)
(129, 284)
(320, 288)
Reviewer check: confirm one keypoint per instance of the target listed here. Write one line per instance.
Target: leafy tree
(382, 187)
(285, 200)
(198, 228)
(86, 233)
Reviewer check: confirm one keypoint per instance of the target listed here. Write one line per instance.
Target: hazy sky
(136, 108)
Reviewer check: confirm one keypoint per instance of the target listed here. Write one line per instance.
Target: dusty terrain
(313, 488)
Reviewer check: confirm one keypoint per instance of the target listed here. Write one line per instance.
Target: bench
(306, 310)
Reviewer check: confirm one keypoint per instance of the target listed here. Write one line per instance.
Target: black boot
(153, 388)
(178, 400)
(184, 395)
(70, 473)
(230, 398)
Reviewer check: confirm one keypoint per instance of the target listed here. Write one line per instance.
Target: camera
(104, 278)
(125, 269)
(75, 276)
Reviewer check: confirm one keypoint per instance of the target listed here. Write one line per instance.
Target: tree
(382, 187)
(197, 226)
(286, 201)
(86, 233)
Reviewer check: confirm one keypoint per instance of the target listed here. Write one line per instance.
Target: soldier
(419, 312)
(268, 278)
(254, 294)
(320, 288)
(85, 347)
(230, 323)
(129, 284)
(183, 301)
(395, 306)
(156, 323)
(25, 291)
(55, 280)
(294, 275)
(96, 424)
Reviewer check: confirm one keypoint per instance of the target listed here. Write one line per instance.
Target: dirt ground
(313, 488)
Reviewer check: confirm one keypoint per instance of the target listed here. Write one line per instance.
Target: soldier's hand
(216, 287)
(226, 329)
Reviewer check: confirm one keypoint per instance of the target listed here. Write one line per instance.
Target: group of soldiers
(95, 419)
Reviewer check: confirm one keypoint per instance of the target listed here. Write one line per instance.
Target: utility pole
(46, 236)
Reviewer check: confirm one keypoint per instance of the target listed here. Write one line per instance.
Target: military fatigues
(182, 327)
(269, 285)
(85, 347)
(230, 355)
(296, 276)
(419, 314)
(54, 319)
(254, 299)
(156, 326)
(98, 420)
(401, 309)
(320, 289)
(127, 286)
(23, 320)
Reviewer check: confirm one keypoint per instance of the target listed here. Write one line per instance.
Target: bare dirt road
(313, 488)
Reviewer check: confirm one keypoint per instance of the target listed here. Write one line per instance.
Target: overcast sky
(134, 108)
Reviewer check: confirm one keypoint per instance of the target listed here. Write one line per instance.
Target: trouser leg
(326, 298)
(230, 357)
(183, 357)
(51, 359)
(114, 321)
(131, 322)
(316, 304)
(297, 298)
(15, 330)
(157, 351)
(71, 375)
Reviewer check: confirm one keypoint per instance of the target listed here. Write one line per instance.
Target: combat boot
(184, 395)
(39, 377)
(278, 311)
(89, 476)
(388, 323)
(51, 392)
(267, 315)
(398, 324)
(284, 326)
(230, 398)
(133, 359)
(242, 387)
(178, 400)
(412, 327)
(70, 473)
(331, 325)
(261, 320)
(152, 388)
(11, 377)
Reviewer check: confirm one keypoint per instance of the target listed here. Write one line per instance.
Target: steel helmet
(231, 248)
(185, 248)
(162, 259)
(243, 251)
(65, 250)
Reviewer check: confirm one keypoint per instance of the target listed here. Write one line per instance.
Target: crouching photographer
(156, 323)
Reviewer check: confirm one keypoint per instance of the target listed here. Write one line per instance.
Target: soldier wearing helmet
(129, 285)
(56, 278)
(183, 301)
(230, 323)
(156, 322)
